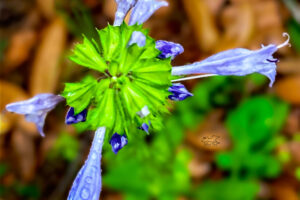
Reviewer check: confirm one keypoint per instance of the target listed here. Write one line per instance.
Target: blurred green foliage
(146, 169)
(3, 45)
(66, 147)
(294, 30)
(78, 18)
(252, 127)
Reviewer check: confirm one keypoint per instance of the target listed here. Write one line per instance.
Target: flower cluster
(133, 84)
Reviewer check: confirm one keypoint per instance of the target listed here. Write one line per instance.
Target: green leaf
(86, 55)
(79, 95)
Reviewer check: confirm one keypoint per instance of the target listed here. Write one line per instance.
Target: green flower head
(131, 87)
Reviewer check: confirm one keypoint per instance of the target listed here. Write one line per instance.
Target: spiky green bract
(130, 77)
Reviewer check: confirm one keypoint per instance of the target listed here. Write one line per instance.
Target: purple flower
(122, 10)
(87, 184)
(36, 108)
(145, 127)
(137, 37)
(73, 119)
(238, 62)
(168, 49)
(117, 142)
(179, 92)
(143, 9)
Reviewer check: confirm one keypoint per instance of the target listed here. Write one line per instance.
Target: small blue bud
(117, 142)
(73, 119)
(179, 92)
(145, 127)
(168, 49)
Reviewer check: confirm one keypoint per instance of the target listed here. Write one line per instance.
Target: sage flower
(238, 62)
(168, 49)
(36, 108)
(179, 92)
(135, 79)
(87, 184)
(71, 118)
(117, 142)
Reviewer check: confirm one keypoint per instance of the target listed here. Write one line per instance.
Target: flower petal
(144, 112)
(122, 10)
(137, 37)
(168, 49)
(73, 119)
(145, 127)
(87, 184)
(179, 92)
(237, 62)
(36, 108)
(144, 9)
(117, 142)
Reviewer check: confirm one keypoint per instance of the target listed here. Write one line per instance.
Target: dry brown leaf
(47, 8)
(13, 93)
(203, 23)
(283, 191)
(19, 48)
(198, 169)
(46, 68)
(23, 149)
(290, 65)
(238, 21)
(10, 92)
(288, 89)
(211, 135)
(109, 8)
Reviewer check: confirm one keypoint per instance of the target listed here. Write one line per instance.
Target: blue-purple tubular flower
(73, 119)
(137, 37)
(117, 142)
(36, 108)
(87, 184)
(168, 49)
(237, 62)
(179, 92)
(145, 127)
(143, 9)
(122, 9)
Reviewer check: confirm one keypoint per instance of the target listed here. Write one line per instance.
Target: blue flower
(179, 92)
(238, 62)
(145, 127)
(87, 184)
(137, 37)
(123, 8)
(143, 9)
(117, 142)
(36, 108)
(73, 119)
(168, 49)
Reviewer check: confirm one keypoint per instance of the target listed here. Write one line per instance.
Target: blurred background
(236, 139)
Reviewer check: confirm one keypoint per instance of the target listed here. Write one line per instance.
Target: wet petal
(168, 49)
(137, 37)
(237, 62)
(179, 92)
(36, 108)
(144, 112)
(73, 119)
(122, 10)
(145, 127)
(87, 184)
(144, 9)
(117, 142)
